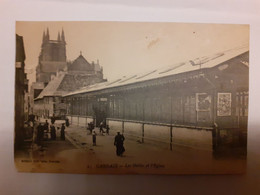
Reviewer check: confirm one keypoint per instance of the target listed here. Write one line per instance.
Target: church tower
(52, 57)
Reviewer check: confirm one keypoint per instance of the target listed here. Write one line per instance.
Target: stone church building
(52, 57)
(55, 76)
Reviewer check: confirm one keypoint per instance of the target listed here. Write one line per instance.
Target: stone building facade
(52, 57)
(56, 76)
(80, 74)
(21, 88)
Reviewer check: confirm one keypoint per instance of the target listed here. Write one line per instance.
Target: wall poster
(203, 102)
(224, 104)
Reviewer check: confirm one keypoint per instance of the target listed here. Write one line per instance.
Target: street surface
(77, 155)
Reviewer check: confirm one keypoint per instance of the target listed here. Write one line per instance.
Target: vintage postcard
(131, 97)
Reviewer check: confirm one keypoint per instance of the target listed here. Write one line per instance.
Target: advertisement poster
(203, 102)
(224, 104)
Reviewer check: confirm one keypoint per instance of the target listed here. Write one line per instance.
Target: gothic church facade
(52, 57)
(57, 76)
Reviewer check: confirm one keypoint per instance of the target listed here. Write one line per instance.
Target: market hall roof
(175, 69)
(65, 82)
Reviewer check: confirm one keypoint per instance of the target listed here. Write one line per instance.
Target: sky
(125, 48)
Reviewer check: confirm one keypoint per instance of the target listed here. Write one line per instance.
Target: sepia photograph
(131, 97)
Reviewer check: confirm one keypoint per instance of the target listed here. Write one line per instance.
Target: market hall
(197, 103)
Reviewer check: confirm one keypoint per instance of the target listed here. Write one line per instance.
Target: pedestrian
(88, 127)
(39, 133)
(32, 129)
(52, 120)
(94, 137)
(119, 143)
(46, 126)
(101, 128)
(67, 122)
(53, 132)
(108, 129)
(62, 132)
(92, 126)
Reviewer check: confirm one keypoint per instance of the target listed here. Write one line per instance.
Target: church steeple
(53, 54)
(43, 36)
(47, 35)
(58, 36)
(62, 36)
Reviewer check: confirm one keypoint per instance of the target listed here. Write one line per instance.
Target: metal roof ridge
(147, 73)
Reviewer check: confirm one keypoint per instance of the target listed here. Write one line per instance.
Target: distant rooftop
(81, 64)
(52, 88)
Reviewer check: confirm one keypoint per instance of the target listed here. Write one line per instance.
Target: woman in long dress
(62, 132)
(53, 133)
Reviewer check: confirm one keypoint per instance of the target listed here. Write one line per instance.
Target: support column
(123, 122)
(171, 92)
(171, 137)
(143, 119)
(123, 126)
(142, 132)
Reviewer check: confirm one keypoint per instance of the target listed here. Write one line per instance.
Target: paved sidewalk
(81, 138)
(179, 160)
(78, 155)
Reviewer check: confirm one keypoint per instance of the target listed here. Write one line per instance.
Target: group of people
(118, 141)
(45, 128)
(102, 126)
(91, 127)
(43, 131)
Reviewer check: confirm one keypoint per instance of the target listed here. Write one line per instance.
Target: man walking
(53, 132)
(40, 132)
(119, 143)
(52, 120)
(67, 122)
(46, 125)
(101, 128)
(108, 129)
(94, 137)
(62, 132)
